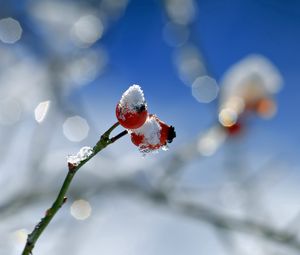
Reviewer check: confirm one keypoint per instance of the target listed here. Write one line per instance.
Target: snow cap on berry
(133, 98)
(131, 111)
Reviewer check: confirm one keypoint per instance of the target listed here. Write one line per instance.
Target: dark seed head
(171, 134)
(140, 108)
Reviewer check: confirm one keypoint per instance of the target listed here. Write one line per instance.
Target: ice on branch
(132, 98)
(83, 154)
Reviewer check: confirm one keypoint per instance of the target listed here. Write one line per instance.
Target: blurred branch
(206, 214)
(227, 241)
(190, 209)
(201, 212)
(223, 221)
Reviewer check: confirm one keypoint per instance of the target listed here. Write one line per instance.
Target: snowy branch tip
(83, 154)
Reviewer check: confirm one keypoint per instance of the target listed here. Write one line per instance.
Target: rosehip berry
(167, 133)
(131, 119)
(131, 111)
(153, 135)
(265, 108)
(235, 129)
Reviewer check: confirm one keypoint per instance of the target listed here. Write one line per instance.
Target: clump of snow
(165, 147)
(150, 130)
(73, 159)
(132, 98)
(83, 154)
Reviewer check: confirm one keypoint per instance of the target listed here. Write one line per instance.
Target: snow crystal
(83, 154)
(132, 98)
(150, 130)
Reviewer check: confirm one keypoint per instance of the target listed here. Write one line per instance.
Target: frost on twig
(83, 154)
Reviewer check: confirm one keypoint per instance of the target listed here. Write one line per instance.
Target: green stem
(61, 199)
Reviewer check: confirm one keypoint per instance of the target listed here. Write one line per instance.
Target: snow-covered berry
(153, 135)
(131, 111)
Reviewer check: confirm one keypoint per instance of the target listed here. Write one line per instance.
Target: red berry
(131, 119)
(131, 111)
(153, 135)
(167, 133)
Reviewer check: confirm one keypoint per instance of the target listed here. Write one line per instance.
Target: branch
(190, 209)
(223, 221)
(61, 198)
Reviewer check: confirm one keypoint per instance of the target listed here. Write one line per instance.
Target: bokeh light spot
(20, 236)
(188, 61)
(40, 112)
(227, 117)
(181, 11)
(87, 30)
(205, 89)
(75, 128)
(10, 30)
(81, 209)
(85, 67)
(175, 35)
(211, 141)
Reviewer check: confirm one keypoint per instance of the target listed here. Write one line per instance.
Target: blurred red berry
(266, 108)
(234, 129)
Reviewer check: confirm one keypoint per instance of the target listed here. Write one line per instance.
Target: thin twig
(227, 222)
(61, 198)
